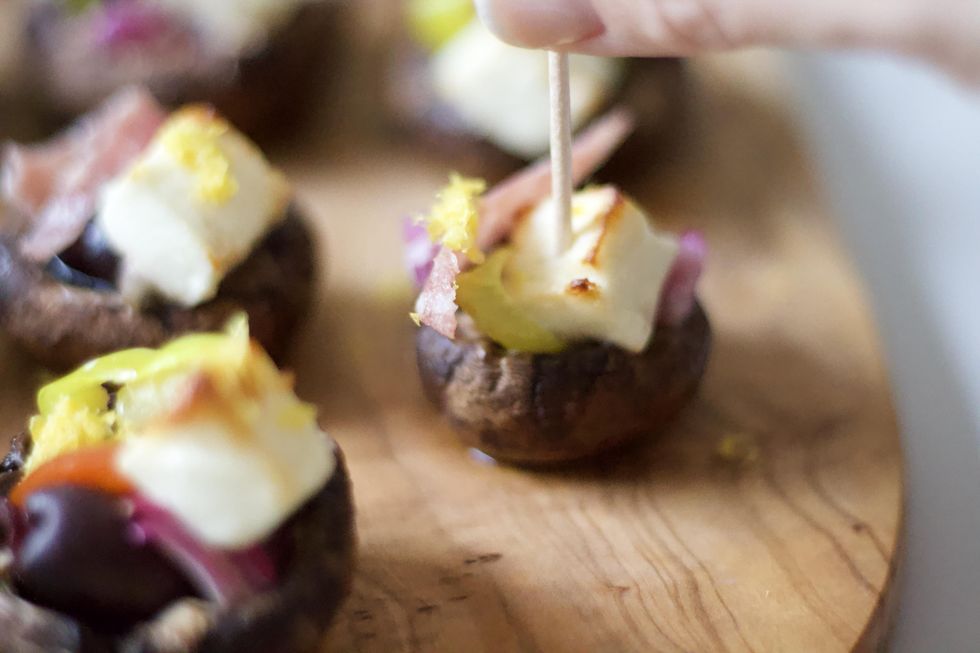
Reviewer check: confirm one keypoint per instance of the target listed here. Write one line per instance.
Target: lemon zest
(192, 136)
(68, 427)
(455, 216)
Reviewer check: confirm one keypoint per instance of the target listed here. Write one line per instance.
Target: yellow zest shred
(192, 137)
(454, 218)
(71, 425)
(74, 411)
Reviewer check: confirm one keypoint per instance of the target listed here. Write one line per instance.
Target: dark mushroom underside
(293, 618)
(657, 90)
(63, 326)
(264, 94)
(539, 409)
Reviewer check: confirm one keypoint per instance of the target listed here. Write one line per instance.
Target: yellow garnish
(416, 318)
(435, 22)
(68, 427)
(225, 375)
(85, 385)
(481, 293)
(455, 216)
(296, 415)
(192, 137)
(73, 411)
(735, 449)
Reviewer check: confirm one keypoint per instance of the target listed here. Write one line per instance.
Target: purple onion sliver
(222, 576)
(257, 565)
(131, 23)
(678, 296)
(419, 251)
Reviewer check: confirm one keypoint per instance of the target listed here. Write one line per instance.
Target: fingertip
(542, 23)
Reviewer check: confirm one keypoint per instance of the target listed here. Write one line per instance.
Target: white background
(899, 147)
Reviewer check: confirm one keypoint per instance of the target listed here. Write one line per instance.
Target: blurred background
(895, 147)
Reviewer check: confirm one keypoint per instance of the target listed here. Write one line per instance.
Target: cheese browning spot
(192, 136)
(583, 288)
(609, 222)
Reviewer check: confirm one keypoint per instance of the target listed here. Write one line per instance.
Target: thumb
(944, 31)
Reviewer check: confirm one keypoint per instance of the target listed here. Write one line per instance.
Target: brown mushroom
(656, 90)
(291, 618)
(64, 325)
(548, 408)
(265, 93)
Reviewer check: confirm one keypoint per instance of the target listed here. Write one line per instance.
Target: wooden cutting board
(768, 518)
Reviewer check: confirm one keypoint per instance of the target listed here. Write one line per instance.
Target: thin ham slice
(678, 294)
(436, 305)
(56, 184)
(504, 203)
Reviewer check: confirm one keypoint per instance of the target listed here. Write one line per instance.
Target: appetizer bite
(174, 501)
(483, 104)
(135, 226)
(257, 61)
(559, 351)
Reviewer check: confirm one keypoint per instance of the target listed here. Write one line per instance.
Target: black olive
(92, 256)
(79, 556)
(88, 263)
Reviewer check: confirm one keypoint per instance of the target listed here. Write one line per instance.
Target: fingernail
(541, 23)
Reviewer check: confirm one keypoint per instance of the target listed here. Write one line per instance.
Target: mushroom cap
(549, 408)
(64, 326)
(293, 617)
(265, 93)
(656, 90)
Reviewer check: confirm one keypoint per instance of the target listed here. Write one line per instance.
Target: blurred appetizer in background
(173, 501)
(483, 104)
(136, 225)
(259, 61)
(557, 352)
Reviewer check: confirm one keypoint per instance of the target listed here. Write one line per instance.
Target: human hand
(946, 32)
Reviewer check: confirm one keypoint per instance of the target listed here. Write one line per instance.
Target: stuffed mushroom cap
(560, 353)
(250, 575)
(482, 105)
(136, 226)
(261, 64)
(535, 409)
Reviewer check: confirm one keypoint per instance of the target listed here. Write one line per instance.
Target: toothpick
(561, 148)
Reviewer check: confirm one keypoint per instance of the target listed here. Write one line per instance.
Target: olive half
(547, 408)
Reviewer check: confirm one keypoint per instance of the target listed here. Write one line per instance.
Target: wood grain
(790, 543)
(767, 519)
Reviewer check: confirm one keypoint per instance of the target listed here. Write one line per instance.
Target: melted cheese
(501, 92)
(206, 427)
(231, 453)
(606, 286)
(231, 479)
(190, 209)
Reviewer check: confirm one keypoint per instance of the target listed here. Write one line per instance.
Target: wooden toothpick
(561, 148)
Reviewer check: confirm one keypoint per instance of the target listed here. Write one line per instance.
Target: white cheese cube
(190, 209)
(231, 476)
(606, 285)
(501, 92)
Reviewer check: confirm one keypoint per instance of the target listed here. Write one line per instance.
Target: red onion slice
(226, 577)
